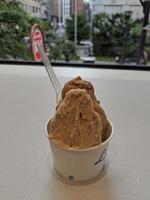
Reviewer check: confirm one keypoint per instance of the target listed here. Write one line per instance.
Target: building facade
(36, 8)
(80, 7)
(88, 12)
(117, 6)
(60, 11)
(45, 9)
(54, 8)
(66, 8)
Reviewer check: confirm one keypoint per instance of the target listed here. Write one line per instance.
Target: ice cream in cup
(79, 164)
(79, 133)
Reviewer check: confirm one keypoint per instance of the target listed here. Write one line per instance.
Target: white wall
(118, 6)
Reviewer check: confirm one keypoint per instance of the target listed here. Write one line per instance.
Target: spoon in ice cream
(50, 72)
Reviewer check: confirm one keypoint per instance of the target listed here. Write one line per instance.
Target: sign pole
(75, 22)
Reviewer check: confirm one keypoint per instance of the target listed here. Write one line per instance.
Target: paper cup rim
(79, 149)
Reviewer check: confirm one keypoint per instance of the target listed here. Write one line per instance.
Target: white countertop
(27, 100)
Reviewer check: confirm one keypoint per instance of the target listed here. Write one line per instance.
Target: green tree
(62, 49)
(68, 49)
(14, 25)
(112, 32)
(135, 36)
(83, 29)
(125, 32)
(102, 39)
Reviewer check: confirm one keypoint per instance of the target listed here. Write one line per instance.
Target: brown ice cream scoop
(76, 123)
(79, 83)
(82, 84)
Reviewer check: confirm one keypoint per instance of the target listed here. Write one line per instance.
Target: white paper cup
(80, 164)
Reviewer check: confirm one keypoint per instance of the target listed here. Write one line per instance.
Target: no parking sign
(36, 36)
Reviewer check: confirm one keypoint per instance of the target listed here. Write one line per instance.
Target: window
(110, 29)
(33, 9)
(26, 6)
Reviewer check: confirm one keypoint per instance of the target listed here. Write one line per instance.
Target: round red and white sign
(36, 36)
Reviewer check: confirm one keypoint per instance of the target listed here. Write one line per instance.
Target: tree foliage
(111, 32)
(15, 24)
(62, 49)
(102, 34)
(83, 29)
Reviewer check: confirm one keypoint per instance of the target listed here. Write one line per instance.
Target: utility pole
(59, 13)
(75, 22)
(146, 10)
(91, 26)
(127, 16)
(63, 12)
